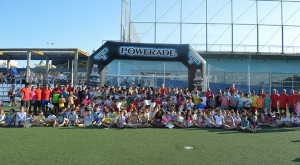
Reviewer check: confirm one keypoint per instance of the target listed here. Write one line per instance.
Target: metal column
(28, 66)
(76, 67)
(8, 63)
(47, 70)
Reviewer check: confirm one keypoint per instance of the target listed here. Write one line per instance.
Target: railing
(246, 48)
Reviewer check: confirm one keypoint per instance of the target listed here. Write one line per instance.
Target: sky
(84, 24)
(79, 24)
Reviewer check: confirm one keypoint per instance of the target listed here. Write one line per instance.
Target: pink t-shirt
(224, 100)
(166, 119)
(32, 95)
(85, 101)
(298, 108)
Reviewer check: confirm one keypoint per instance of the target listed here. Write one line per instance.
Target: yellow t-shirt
(61, 102)
(107, 119)
(253, 99)
(196, 99)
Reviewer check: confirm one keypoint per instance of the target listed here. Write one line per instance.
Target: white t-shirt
(89, 117)
(204, 100)
(122, 119)
(20, 116)
(53, 117)
(101, 115)
(248, 102)
(285, 119)
(108, 102)
(295, 120)
(219, 119)
(208, 119)
(237, 120)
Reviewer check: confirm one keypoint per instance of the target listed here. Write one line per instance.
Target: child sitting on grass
(200, 120)
(73, 118)
(121, 120)
(107, 121)
(285, 120)
(276, 121)
(20, 116)
(244, 123)
(219, 120)
(295, 120)
(254, 125)
(10, 119)
(50, 119)
(144, 120)
(61, 120)
(40, 120)
(2, 117)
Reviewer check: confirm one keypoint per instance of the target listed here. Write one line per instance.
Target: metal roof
(42, 53)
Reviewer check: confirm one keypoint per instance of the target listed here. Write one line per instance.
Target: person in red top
(261, 92)
(232, 88)
(297, 96)
(283, 100)
(209, 93)
(38, 98)
(45, 98)
(291, 99)
(55, 87)
(163, 90)
(274, 101)
(69, 88)
(24, 94)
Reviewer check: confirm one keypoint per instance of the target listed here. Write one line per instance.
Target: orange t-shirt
(26, 92)
(46, 94)
(260, 103)
(38, 94)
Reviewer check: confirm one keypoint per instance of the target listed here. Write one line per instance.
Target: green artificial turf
(89, 145)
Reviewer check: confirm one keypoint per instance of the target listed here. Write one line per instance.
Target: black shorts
(25, 103)
(247, 108)
(56, 105)
(12, 98)
(232, 108)
(261, 110)
(291, 109)
(274, 109)
(282, 108)
(38, 103)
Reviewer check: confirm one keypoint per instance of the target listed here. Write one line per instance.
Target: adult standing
(291, 99)
(45, 98)
(32, 98)
(163, 90)
(261, 92)
(24, 94)
(283, 100)
(274, 101)
(209, 93)
(38, 99)
(232, 89)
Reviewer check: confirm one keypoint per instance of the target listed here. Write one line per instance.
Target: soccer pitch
(90, 145)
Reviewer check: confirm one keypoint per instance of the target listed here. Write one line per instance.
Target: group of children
(147, 107)
(102, 116)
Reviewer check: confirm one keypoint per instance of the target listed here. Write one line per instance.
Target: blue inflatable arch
(148, 52)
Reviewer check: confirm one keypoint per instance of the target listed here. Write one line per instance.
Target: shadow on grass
(296, 141)
(296, 160)
(263, 130)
